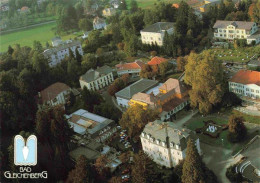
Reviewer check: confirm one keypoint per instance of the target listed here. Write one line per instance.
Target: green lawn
(193, 124)
(248, 118)
(236, 55)
(150, 3)
(26, 37)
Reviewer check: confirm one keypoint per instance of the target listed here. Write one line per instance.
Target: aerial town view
(129, 91)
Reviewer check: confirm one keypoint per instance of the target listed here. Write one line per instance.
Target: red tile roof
(52, 91)
(156, 61)
(133, 65)
(170, 105)
(246, 77)
(175, 5)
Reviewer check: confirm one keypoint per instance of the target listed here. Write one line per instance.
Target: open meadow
(42, 33)
(150, 3)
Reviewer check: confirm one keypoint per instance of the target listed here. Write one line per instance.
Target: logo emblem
(25, 153)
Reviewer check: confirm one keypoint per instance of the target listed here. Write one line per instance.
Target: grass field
(150, 3)
(26, 37)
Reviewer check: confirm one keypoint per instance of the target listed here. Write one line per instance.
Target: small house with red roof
(54, 94)
(156, 61)
(133, 68)
(246, 83)
(24, 9)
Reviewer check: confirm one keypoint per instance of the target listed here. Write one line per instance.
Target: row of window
(232, 31)
(151, 38)
(230, 36)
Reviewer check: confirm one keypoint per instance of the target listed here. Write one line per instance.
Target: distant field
(26, 37)
(150, 3)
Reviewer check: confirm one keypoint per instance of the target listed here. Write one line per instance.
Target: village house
(54, 94)
(99, 23)
(56, 41)
(207, 4)
(115, 3)
(4, 7)
(133, 68)
(166, 143)
(123, 96)
(155, 61)
(246, 83)
(154, 34)
(169, 98)
(91, 125)
(97, 79)
(107, 12)
(230, 30)
(57, 54)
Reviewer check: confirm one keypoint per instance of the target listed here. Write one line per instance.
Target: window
(257, 91)
(247, 89)
(220, 30)
(151, 38)
(252, 90)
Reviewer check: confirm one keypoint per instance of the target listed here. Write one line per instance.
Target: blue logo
(25, 153)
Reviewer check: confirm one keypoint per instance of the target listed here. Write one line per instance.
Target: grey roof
(255, 35)
(92, 75)
(139, 86)
(57, 38)
(176, 134)
(237, 24)
(158, 27)
(63, 46)
(254, 63)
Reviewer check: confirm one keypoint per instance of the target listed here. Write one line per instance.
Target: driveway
(217, 159)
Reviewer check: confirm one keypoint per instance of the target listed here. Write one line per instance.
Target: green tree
(134, 6)
(143, 169)
(181, 62)
(192, 171)
(237, 129)
(135, 118)
(131, 46)
(147, 72)
(54, 151)
(206, 78)
(37, 46)
(123, 5)
(85, 24)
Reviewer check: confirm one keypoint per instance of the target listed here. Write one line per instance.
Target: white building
(99, 23)
(55, 94)
(133, 68)
(124, 96)
(165, 143)
(57, 54)
(56, 41)
(246, 83)
(93, 126)
(107, 12)
(230, 30)
(155, 33)
(97, 79)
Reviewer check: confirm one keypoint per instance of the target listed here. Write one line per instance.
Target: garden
(242, 55)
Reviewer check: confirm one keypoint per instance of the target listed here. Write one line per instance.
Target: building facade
(123, 96)
(57, 54)
(99, 23)
(154, 34)
(97, 79)
(165, 143)
(246, 83)
(91, 125)
(230, 30)
(107, 12)
(55, 94)
(170, 98)
(133, 68)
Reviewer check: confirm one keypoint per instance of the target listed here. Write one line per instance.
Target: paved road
(30, 26)
(217, 159)
(182, 121)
